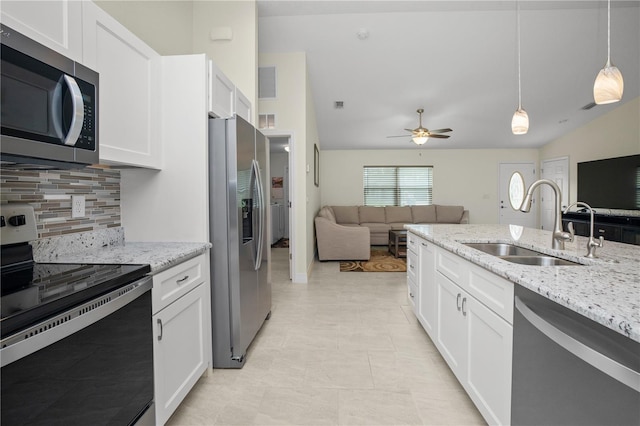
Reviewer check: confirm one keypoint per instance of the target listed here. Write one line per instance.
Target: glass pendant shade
(420, 140)
(609, 85)
(520, 122)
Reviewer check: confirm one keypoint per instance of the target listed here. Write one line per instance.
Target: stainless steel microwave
(49, 113)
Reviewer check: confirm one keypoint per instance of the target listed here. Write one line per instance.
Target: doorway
(556, 170)
(507, 215)
(279, 195)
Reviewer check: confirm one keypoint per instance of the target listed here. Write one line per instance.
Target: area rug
(381, 261)
(281, 243)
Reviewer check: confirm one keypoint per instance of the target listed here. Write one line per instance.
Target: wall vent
(266, 82)
(266, 121)
(338, 104)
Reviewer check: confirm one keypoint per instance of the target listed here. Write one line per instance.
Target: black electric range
(32, 292)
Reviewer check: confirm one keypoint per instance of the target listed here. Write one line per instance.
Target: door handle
(160, 329)
(77, 117)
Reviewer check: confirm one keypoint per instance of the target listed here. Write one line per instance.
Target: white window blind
(398, 185)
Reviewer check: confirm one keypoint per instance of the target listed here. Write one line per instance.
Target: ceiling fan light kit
(609, 85)
(420, 140)
(420, 135)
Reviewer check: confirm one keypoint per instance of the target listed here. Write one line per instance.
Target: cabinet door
(129, 98)
(451, 326)
(242, 106)
(180, 349)
(428, 305)
(222, 93)
(490, 342)
(56, 24)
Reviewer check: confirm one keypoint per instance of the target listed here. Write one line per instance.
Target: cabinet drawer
(412, 293)
(412, 242)
(412, 265)
(493, 291)
(171, 284)
(452, 266)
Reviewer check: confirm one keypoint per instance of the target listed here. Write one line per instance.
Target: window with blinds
(398, 185)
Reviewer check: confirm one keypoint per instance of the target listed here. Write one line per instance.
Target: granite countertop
(605, 289)
(159, 255)
(109, 246)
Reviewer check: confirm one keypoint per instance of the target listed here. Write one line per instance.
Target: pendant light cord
(608, 32)
(518, 31)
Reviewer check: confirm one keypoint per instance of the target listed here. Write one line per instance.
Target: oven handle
(41, 335)
(608, 366)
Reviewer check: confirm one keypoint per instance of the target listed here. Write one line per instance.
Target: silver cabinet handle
(183, 279)
(424, 244)
(411, 295)
(160, 327)
(78, 111)
(411, 266)
(458, 301)
(464, 302)
(610, 367)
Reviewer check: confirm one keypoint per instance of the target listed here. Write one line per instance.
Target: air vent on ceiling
(266, 82)
(588, 106)
(266, 121)
(338, 104)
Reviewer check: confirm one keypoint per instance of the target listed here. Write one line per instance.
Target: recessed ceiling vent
(588, 106)
(338, 104)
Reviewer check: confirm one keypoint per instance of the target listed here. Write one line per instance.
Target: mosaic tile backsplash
(49, 192)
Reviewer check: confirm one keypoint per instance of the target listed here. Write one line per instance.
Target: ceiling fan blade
(410, 130)
(441, 130)
(402, 136)
(439, 136)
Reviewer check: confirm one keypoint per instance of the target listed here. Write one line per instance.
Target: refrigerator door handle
(260, 195)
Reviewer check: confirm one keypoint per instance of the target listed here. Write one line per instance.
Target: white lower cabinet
(182, 342)
(468, 312)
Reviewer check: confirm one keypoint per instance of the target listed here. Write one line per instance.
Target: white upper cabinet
(243, 106)
(56, 24)
(222, 93)
(129, 100)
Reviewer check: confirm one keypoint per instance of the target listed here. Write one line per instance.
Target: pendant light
(520, 120)
(609, 85)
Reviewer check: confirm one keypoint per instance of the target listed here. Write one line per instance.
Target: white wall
(460, 177)
(614, 134)
(163, 25)
(238, 57)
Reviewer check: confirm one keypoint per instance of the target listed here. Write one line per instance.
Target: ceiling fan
(420, 134)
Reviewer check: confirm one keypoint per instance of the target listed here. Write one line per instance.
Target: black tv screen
(613, 183)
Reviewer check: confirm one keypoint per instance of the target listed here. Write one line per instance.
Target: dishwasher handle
(608, 366)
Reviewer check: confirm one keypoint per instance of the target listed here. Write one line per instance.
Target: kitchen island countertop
(605, 289)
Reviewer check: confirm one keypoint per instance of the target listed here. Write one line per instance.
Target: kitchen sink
(515, 254)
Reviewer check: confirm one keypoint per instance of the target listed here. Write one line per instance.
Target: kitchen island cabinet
(475, 294)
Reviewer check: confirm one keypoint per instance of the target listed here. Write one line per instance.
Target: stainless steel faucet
(592, 244)
(559, 236)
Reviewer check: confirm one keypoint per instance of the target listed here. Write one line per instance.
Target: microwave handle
(77, 118)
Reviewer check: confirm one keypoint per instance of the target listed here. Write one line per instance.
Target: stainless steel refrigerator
(240, 292)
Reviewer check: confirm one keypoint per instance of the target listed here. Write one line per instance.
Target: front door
(509, 216)
(556, 170)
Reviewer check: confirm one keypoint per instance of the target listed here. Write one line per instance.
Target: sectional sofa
(348, 232)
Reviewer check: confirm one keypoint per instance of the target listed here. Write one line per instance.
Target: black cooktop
(33, 292)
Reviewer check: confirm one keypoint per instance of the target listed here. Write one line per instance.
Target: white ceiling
(455, 59)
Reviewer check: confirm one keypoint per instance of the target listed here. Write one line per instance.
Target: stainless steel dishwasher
(570, 370)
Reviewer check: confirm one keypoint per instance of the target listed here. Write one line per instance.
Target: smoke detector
(362, 34)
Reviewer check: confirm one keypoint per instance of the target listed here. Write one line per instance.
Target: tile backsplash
(49, 192)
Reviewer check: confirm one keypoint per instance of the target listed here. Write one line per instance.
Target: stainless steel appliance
(49, 105)
(76, 339)
(241, 294)
(570, 370)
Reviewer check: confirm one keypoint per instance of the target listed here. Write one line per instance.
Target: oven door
(90, 365)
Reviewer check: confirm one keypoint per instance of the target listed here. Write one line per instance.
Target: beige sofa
(348, 232)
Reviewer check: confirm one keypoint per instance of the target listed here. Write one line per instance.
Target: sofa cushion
(327, 213)
(346, 214)
(424, 214)
(395, 214)
(370, 214)
(377, 227)
(449, 214)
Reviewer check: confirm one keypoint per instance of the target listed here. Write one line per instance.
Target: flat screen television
(613, 183)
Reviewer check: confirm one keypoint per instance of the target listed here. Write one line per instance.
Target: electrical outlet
(77, 206)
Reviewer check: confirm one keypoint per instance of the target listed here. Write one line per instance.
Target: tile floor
(343, 349)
